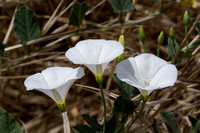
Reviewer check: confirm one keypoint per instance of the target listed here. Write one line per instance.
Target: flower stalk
(66, 125)
(99, 80)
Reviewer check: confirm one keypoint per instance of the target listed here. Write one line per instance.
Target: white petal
(54, 78)
(110, 50)
(48, 93)
(127, 71)
(74, 55)
(63, 90)
(148, 65)
(166, 76)
(97, 69)
(94, 51)
(36, 81)
(58, 76)
(149, 89)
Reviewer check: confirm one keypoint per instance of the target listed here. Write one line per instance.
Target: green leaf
(123, 105)
(197, 127)
(155, 130)
(111, 124)
(78, 14)
(2, 46)
(169, 121)
(121, 5)
(172, 47)
(25, 25)
(195, 124)
(8, 124)
(125, 89)
(80, 128)
(192, 120)
(92, 122)
(198, 28)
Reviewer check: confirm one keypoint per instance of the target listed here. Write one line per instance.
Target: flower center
(145, 83)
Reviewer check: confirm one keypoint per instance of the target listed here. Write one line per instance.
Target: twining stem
(66, 125)
(104, 105)
(138, 115)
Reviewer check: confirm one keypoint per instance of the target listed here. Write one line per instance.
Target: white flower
(147, 72)
(95, 54)
(54, 81)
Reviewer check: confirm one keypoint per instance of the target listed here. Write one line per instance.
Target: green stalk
(158, 50)
(138, 115)
(144, 47)
(104, 105)
(186, 32)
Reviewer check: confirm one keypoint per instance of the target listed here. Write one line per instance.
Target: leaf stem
(66, 125)
(138, 115)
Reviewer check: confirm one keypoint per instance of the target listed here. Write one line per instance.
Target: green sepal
(62, 107)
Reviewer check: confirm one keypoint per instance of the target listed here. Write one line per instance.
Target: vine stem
(138, 115)
(104, 105)
(66, 125)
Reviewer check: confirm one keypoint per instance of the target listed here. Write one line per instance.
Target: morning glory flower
(54, 82)
(95, 54)
(147, 72)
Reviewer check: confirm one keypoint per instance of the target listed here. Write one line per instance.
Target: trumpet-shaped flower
(147, 72)
(54, 82)
(95, 54)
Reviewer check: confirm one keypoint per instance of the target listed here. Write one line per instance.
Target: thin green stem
(144, 47)
(104, 105)
(124, 120)
(158, 50)
(186, 32)
(138, 115)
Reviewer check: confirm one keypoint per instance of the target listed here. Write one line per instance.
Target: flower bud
(121, 40)
(122, 56)
(142, 35)
(171, 33)
(186, 18)
(160, 39)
